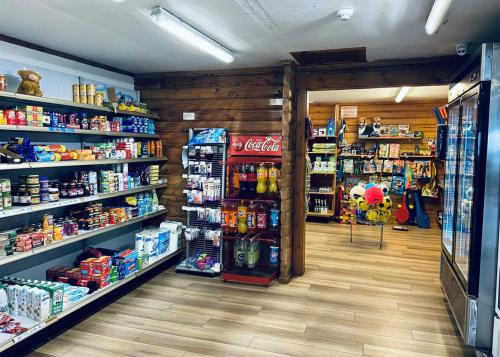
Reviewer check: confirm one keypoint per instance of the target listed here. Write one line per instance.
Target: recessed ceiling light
(119, 1)
(186, 32)
(345, 13)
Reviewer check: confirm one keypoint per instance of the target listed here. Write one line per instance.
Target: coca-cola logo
(267, 145)
(237, 144)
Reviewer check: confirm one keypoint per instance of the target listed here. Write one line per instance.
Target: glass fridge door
(450, 178)
(465, 185)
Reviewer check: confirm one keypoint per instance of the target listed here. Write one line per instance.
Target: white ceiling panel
(260, 32)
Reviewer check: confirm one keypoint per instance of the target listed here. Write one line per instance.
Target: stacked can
(5, 189)
(154, 172)
(44, 189)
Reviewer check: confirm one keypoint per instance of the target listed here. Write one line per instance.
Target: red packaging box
(102, 265)
(10, 114)
(87, 266)
(21, 117)
(100, 279)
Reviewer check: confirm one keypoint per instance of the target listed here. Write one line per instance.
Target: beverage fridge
(471, 197)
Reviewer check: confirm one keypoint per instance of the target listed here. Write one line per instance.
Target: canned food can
(99, 99)
(76, 93)
(90, 89)
(33, 180)
(83, 94)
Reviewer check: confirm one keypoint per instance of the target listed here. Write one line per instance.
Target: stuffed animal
(30, 83)
(377, 126)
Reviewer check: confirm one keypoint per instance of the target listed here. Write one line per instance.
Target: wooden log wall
(417, 114)
(243, 101)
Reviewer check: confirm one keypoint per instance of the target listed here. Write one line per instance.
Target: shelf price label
(29, 333)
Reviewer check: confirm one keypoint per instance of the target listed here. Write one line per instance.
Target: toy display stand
(371, 224)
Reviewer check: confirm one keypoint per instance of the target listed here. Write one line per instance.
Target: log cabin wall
(246, 101)
(417, 114)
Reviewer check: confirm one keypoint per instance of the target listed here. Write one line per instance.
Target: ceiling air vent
(341, 55)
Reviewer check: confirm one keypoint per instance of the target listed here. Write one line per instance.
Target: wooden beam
(208, 73)
(299, 213)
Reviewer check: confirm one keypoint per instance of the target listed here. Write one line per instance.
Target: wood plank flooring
(354, 300)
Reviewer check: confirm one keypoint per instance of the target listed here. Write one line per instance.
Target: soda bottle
(233, 217)
(240, 252)
(243, 181)
(261, 218)
(251, 181)
(253, 253)
(236, 180)
(252, 217)
(274, 256)
(261, 180)
(224, 216)
(242, 218)
(274, 218)
(273, 179)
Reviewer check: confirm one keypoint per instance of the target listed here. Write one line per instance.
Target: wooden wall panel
(417, 114)
(242, 101)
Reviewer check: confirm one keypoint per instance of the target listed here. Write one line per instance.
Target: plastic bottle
(233, 217)
(261, 218)
(154, 201)
(273, 179)
(243, 181)
(240, 252)
(261, 180)
(274, 256)
(236, 180)
(253, 253)
(242, 218)
(274, 218)
(224, 216)
(251, 181)
(252, 217)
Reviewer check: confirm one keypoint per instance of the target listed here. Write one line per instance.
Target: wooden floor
(354, 300)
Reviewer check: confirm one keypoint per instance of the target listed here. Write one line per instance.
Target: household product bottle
(252, 254)
(240, 252)
(236, 180)
(251, 181)
(243, 181)
(233, 217)
(224, 216)
(262, 217)
(274, 218)
(252, 217)
(273, 179)
(242, 218)
(154, 202)
(274, 256)
(261, 179)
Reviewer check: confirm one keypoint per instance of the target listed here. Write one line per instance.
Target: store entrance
(373, 168)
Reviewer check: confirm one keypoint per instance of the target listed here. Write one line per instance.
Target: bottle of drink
(261, 180)
(274, 218)
(253, 253)
(274, 256)
(236, 180)
(240, 252)
(243, 181)
(224, 216)
(252, 217)
(233, 218)
(242, 218)
(262, 218)
(251, 181)
(273, 179)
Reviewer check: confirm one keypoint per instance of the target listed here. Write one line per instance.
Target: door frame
(376, 74)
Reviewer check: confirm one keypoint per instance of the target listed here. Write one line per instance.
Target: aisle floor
(354, 300)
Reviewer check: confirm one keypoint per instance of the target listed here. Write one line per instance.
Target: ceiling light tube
(402, 93)
(436, 16)
(179, 28)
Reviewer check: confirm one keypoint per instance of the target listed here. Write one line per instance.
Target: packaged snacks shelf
(11, 341)
(56, 244)
(54, 104)
(16, 210)
(40, 164)
(24, 128)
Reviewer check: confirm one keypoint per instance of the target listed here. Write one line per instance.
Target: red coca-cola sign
(255, 145)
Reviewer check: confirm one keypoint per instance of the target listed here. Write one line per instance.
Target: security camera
(461, 49)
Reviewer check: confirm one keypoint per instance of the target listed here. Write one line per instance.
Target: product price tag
(184, 176)
(29, 333)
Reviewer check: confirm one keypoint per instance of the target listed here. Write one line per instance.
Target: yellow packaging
(3, 119)
(83, 94)
(76, 93)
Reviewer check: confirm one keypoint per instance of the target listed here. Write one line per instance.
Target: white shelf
(24, 128)
(16, 211)
(57, 244)
(11, 341)
(16, 98)
(40, 164)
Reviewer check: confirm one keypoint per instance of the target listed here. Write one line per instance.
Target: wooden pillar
(299, 215)
(287, 167)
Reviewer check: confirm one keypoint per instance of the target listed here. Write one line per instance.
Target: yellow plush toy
(30, 83)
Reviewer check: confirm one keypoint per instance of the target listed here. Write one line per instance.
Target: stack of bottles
(247, 254)
(249, 180)
(260, 217)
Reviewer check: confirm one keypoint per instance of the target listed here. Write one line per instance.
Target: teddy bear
(30, 83)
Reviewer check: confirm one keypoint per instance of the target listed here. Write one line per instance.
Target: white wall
(58, 74)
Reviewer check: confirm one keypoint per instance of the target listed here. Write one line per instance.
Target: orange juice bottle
(261, 179)
(242, 218)
(273, 179)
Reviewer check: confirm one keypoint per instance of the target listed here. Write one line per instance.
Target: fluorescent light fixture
(436, 16)
(402, 93)
(179, 28)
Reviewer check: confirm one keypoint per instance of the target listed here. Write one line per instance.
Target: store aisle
(354, 300)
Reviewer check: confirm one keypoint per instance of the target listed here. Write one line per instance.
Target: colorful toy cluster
(371, 203)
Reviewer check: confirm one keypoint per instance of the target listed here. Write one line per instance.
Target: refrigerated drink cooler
(471, 197)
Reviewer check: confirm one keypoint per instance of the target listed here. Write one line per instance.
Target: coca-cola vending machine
(251, 212)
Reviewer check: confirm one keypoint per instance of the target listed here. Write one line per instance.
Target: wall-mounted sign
(349, 111)
(255, 145)
(188, 116)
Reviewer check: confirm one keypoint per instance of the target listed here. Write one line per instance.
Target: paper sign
(349, 111)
